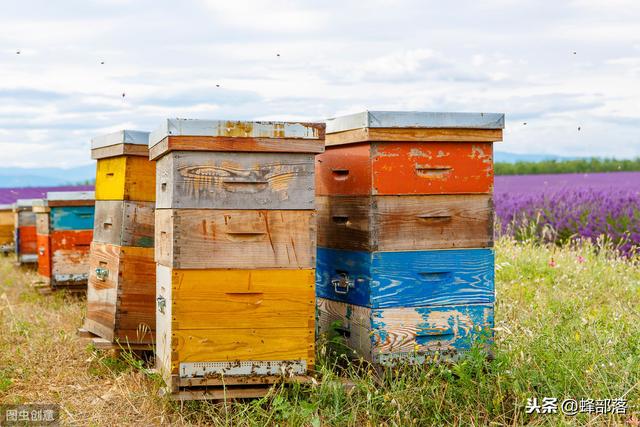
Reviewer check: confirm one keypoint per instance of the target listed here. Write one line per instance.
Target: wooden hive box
(405, 226)
(391, 153)
(235, 249)
(406, 279)
(25, 240)
(7, 226)
(64, 227)
(387, 336)
(123, 170)
(121, 290)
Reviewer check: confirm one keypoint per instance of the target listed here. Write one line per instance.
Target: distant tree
(568, 166)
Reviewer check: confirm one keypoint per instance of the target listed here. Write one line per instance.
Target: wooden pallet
(235, 387)
(103, 344)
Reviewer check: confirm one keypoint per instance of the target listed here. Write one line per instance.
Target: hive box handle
(432, 171)
(340, 174)
(430, 218)
(340, 219)
(342, 283)
(102, 273)
(434, 275)
(426, 339)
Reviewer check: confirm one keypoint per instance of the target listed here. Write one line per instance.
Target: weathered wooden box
(405, 223)
(247, 239)
(121, 290)
(235, 180)
(406, 279)
(7, 224)
(25, 240)
(212, 323)
(387, 336)
(64, 226)
(124, 171)
(121, 293)
(405, 227)
(235, 243)
(124, 223)
(387, 153)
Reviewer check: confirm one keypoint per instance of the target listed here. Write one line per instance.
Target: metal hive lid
(235, 128)
(23, 203)
(415, 119)
(71, 195)
(136, 137)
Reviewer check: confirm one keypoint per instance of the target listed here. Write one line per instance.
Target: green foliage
(591, 165)
(5, 381)
(566, 327)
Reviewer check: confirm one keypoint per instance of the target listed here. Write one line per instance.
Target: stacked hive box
(7, 224)
(64, 226)
(122, 276)
(405, 232)
(25, 232)
(235, 247)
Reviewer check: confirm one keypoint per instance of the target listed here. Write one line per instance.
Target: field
(567, 326)
(561, 208)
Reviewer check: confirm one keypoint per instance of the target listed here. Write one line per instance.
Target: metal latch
(342, 284)
(102, 273)
(162, 303)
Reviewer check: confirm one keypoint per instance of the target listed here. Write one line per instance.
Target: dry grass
(567, 325)
(43, 361)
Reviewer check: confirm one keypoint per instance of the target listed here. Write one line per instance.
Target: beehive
(405, 232)
(64, 227)
(25, 232)
(235, 251)
(7, 226)
(121, 290)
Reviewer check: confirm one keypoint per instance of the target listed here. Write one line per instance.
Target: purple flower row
(562, 207)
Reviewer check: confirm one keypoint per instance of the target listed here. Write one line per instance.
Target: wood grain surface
(124, 223)
(405, 223)
(126, 178)
(388, 168)
(217, 180)
(407, 279)
(245, 239)
(379, 334)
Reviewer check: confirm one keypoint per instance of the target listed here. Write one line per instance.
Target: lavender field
(563, 207)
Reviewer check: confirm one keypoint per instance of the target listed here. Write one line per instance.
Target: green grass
(567, 326)
(571, 330)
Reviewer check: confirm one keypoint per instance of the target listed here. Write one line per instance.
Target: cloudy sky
(335, 57)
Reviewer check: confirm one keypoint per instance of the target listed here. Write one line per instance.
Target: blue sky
(336, 57)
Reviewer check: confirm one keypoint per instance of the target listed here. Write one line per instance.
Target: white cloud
(336, 57)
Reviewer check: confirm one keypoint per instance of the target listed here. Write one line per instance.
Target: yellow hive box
(7, 223)
(234, 322)
(126, 178)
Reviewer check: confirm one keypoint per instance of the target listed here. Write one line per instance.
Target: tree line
(567, 166)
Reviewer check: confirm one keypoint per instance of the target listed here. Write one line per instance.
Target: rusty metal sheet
(71, 195)
(238, 129)
(415, 119)
(121, 137)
